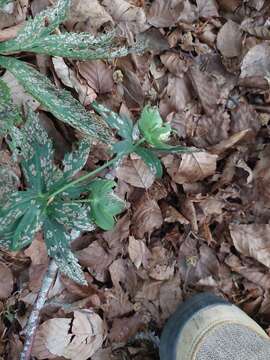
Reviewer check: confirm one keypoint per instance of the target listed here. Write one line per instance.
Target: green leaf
(124, 126)
(76, 46)
(72, 215)
(4, 2)
(12, 212)
(151, 160)
(175, 149)
(152, 127)
(57, 242)
(123, 147)
(105, 205)
(38, 155)
(73, 162)
(58, 101)
(42, 25)
(9, 114)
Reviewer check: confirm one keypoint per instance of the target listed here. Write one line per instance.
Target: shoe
(206, 327)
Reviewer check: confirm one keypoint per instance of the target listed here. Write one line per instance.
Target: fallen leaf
(172, 215)
(138, 252)
(179, 92)
(96, 259)
(123, 275)
(69, 78)
(115, 237)
(124, 328)
(207, 8)
(146, 218)
(175, 63)
(229, 39)
(191, 167)
(126, 15)
(170, 296)
(165, 13)
(6, 281)
(98, 75)
(54, 336)
(162, 272)
(136, 173)
(252, 240)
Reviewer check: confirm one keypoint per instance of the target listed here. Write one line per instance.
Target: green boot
(209, 328)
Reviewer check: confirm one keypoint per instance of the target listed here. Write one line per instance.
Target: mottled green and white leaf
(151, 160)
(58, 246)
(35, 29)
(58, 101)
(73, 162)
(72, 215)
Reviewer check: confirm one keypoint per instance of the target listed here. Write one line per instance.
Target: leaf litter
(204, 225)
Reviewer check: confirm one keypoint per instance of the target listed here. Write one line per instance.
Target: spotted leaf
(73, 162)
(57, 242)
(58, 101)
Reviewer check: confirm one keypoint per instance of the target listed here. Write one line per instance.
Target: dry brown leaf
(172, 215)
(89, 11)
(69, 78)
(96, 259)
(229, 39)
(262, 176)
(6, 281)
(98, 75)
(252, 240)
(138, 252)
(123, 275)
(255, 66)
(124, 328)
(85, 338)
(231, 142)
(207, 8)
(162, 272)
(191, 167)
(179, 92)
(170, 296)
(146, 218)
(115, 237)
(126, 15)
(244, 117)
(165, 13)
(136, 173)
(176, 64)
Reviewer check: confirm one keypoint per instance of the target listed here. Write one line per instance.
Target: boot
(209, 328)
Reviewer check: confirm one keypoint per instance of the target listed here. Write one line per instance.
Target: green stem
(82, 178)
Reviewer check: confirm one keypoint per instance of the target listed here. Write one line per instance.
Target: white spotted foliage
(28, 211)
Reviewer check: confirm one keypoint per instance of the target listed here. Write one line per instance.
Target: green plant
(62, 206)
(39, 36)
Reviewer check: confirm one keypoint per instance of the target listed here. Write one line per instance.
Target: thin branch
(33, 320)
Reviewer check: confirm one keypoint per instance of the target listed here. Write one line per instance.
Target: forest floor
(204, 226)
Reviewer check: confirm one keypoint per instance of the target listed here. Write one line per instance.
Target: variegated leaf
(72, 215)
(73, 162)
(9, 114)
(42, 25)
(4, 2)
(57, 242)
(58, 101)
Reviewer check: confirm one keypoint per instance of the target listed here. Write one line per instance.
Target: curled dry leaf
(69, 78)
(6, 281)
(98, 75)
(136, 173)
(146, 218)
(138, 252)
(229, 39)
(252, 240)
(126, 327)
(191, 167)
(126, 15)
(91, 11)
(54, 336)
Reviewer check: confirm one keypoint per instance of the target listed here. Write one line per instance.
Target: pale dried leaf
(207, 8)
(138, 252)
(165, 13)
(98, 75)
(229, 39)
(162, 272)
(172, 215)
(146, 218)
(136, 173)
(252, 240)
(6, 281)
(191, 168)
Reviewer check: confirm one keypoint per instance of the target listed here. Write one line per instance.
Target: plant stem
(33, 320)
(82, 178)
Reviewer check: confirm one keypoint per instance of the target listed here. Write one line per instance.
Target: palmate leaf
(105, 205)
(57, 242)
(41, 26)
(152, 127)
(9, 114)
(4, 2)
(73, 162)
(58, 101)
(151, 160)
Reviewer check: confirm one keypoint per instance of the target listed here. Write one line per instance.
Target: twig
(33, 320)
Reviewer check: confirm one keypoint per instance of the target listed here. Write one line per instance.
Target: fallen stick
(33, 321)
